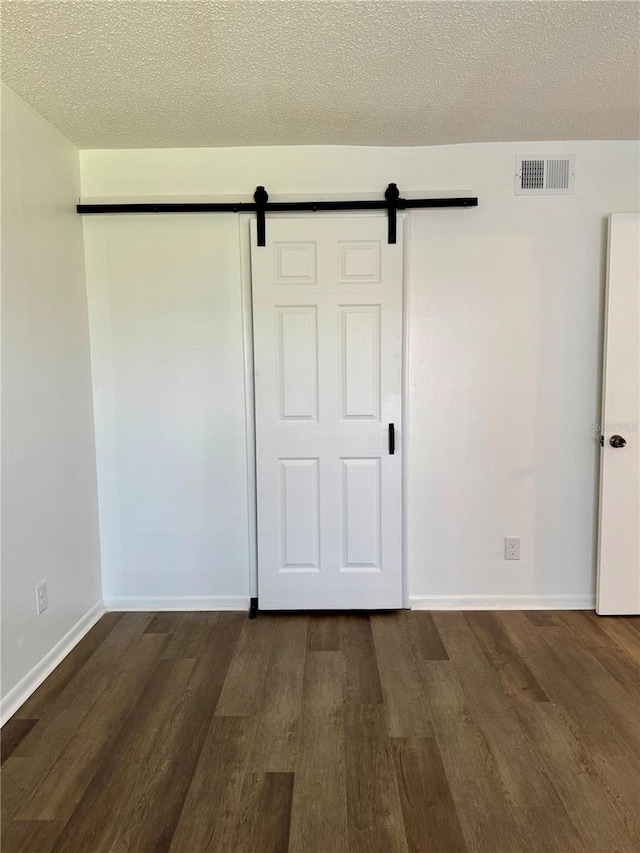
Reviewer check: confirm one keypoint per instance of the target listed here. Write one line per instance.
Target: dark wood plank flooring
(410, 732)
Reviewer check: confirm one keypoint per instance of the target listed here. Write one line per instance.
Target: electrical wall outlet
(42, 598)
(512, 548)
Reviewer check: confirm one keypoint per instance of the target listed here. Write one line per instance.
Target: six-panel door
(327, 300)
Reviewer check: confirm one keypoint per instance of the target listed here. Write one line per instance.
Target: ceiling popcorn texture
(200, 73)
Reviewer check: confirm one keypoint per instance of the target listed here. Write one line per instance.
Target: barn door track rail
(261, 205)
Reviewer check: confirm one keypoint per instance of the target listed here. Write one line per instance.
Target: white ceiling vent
(549, 176)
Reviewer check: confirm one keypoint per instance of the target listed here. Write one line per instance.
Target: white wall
(166, 332)
(505, 325)
(49, 501)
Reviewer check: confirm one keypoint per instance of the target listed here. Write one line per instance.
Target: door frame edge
(244, 241)
(405, 223)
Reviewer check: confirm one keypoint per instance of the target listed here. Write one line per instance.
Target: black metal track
(261, 205)
(274, 206)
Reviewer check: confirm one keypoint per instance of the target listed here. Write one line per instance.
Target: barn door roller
(261, 205)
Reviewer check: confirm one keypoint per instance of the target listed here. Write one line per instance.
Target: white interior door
(619, 541)
(327, 301)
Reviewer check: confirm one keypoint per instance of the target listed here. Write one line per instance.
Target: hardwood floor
(501, 732)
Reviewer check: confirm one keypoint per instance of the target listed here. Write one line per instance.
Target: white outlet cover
(512, 548)
(42, 598)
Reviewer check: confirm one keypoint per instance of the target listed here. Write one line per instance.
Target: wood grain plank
(324, 633)
(374, 811)
(478, 786)
(361, 680)
(319, 809)
(19, 778)
(430, 816)
(541, 618)
(279, 714)
(587, 632)
(609, 759)
(46, 742)
(429, 642)
(32, 836)
(208, 818)
(157, 798)
(597, 687)
(264, 813)
(160, 792)
(515, 676)
(520, 765)
(189, 635)
(622, 631)
(549, 830)
(218, 649)
(13, 733)
(407, 710)
(61, 788)
(243, 685)
(163, 623)
(67, 711)
(620, 666)
(54, 684)
(99, 816)
(162, 786)
(592, 809)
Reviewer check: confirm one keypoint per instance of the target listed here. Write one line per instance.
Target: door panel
(619, 541)
(298, 363)
(327, 298)
(300, 515)
(360, 361)
(362, 523)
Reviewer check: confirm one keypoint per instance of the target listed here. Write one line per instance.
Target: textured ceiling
(191, 73)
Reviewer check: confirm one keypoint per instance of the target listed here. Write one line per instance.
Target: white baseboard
(502, 602)
(188, 602)
(19, 694)
(416, 602)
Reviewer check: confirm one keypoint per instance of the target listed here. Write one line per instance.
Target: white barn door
(327, 302)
